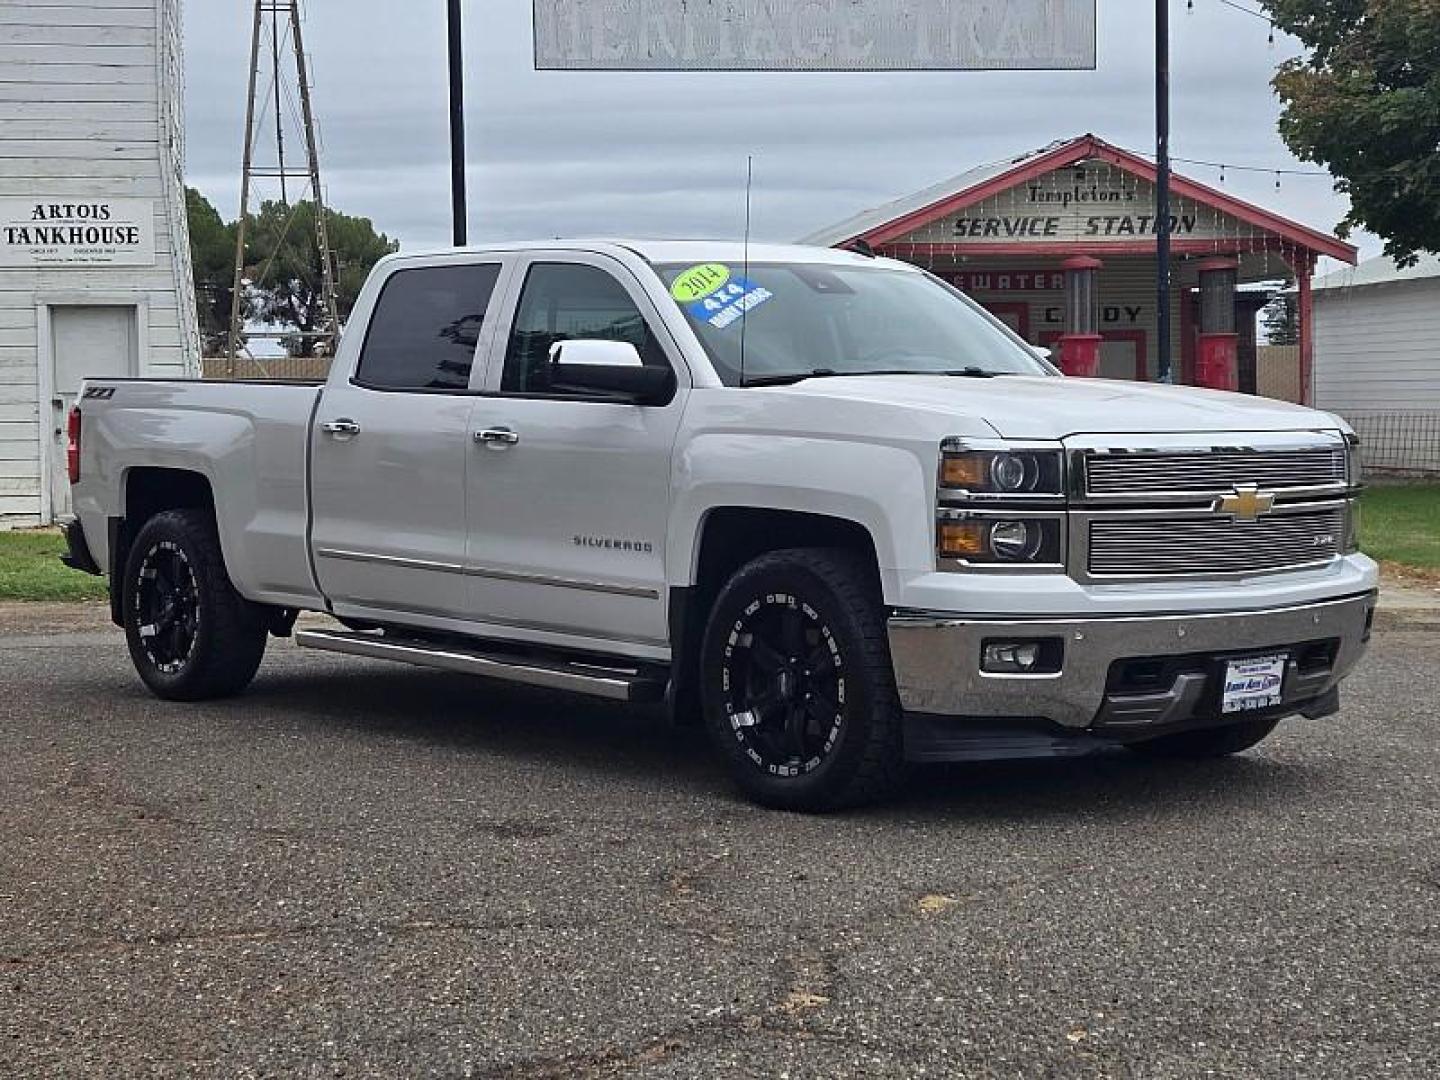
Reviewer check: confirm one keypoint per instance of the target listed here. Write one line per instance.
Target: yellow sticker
(699, 282)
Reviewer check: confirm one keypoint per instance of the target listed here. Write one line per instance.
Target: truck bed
(248, 439)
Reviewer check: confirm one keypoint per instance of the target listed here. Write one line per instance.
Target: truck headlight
(1002, 472)
(1000, 541)
(1354, 471)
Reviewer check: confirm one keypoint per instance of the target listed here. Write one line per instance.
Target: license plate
(1254, 682)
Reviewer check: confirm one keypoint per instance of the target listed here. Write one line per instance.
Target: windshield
(798, 320)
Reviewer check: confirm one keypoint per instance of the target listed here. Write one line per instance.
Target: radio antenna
(745, 259)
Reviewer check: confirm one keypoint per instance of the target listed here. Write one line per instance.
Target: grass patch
(1400, 523)
(30, 569)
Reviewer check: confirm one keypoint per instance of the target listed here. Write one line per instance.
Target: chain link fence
(1399, 442)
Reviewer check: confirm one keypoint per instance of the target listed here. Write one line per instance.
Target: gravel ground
(359, 869)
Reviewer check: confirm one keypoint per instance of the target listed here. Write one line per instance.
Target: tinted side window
(562, 301)
(425, 328)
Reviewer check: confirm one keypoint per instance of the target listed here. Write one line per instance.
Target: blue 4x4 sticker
(728, 303)
(712, 293)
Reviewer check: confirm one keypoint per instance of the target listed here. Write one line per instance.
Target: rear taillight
(72, 447)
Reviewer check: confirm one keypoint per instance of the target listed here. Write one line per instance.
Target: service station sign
(814, 35)
(45, 232)
(1093, 204)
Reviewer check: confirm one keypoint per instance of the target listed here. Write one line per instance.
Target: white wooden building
(1377, 358)
(94, 252)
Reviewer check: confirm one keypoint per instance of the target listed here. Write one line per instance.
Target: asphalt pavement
(365, 870)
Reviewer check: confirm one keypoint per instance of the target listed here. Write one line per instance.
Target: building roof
(1379, 271)
(885, 223)
(867, 221)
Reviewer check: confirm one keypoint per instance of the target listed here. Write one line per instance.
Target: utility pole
(1162, 188)
(457, 124)
(284, 21)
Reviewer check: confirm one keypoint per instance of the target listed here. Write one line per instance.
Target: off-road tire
(1209, 742)
(863, 760)
(229, 632)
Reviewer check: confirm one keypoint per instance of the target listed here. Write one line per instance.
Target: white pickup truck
(821, 499)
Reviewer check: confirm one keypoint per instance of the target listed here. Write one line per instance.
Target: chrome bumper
(937, 663)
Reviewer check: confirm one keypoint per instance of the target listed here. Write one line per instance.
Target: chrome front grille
(1172, 546)
(1212, 472)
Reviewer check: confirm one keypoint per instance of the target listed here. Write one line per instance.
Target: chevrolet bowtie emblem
(1246, 503)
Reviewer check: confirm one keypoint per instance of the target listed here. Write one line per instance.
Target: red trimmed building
(1060, 243)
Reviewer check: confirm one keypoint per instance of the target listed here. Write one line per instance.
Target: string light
(1248, 11)
(1270, 36)
(1225, 167)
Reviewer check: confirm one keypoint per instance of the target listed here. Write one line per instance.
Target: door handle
(497, 438)
(345, 427)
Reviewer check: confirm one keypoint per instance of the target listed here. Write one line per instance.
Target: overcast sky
(663, 154)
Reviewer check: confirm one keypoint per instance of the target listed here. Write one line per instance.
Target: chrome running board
(617, 683)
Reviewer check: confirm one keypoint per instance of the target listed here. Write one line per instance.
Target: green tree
(1281, 319)
(212, 259)
(1365, 102)
(283, 261)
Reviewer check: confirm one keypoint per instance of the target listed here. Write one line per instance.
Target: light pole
(1162, 189)
(457, 124)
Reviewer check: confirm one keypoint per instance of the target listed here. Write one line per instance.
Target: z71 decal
(98, 393)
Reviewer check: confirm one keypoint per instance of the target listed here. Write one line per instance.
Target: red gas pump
(1217, 358)
(1080, 343)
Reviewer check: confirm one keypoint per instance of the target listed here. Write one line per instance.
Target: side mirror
(1042, 352)
(587, 366)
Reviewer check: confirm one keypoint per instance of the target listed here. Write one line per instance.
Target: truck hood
(1041, 407)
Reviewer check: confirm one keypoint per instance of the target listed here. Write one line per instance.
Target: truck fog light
(1008, 656)
(1036, 656)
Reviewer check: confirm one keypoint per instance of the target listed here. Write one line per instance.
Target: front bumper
(1124, 676)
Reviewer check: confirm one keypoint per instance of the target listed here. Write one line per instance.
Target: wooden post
(1307, 332)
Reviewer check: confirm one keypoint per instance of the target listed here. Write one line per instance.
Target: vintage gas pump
(1080, 343)
(1217, 362)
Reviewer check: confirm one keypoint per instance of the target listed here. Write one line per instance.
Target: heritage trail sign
(814, 35)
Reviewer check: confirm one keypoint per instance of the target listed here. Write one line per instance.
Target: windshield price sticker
(712, 293)
(699, 281)
(1253, 683)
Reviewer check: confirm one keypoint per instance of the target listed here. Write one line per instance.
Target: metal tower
(281, 27)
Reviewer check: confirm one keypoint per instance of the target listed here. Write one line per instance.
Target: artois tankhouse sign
(59, 232)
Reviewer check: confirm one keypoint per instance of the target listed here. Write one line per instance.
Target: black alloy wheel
(798, 691)
(167, 606)
(784, 685)
(191, 635)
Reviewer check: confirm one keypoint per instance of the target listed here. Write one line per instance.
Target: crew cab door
(570, 494)
(391, 446)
